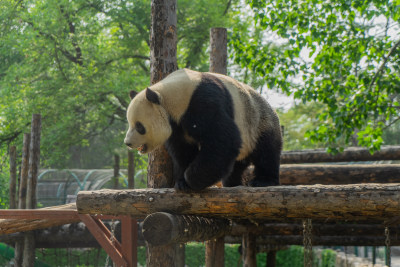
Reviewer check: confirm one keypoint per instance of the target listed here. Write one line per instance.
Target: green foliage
(4, 180)
(293, 256)
(341, 54)
(194, 256)
(297, 122)
(328, 258)
(75, 62)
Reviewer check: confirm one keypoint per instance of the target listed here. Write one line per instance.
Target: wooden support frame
(123, 254)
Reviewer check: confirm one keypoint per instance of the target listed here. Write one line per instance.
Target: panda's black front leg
(219, 145)
(182, 154)
(208, 168)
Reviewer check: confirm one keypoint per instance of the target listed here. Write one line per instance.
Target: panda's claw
(181, 185)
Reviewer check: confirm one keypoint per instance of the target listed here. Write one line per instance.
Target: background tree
(75, 62)
(343, 54)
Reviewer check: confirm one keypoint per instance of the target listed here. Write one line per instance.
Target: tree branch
(127, 56)
(386, 59)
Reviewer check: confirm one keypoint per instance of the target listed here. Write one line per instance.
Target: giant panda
(212, 126)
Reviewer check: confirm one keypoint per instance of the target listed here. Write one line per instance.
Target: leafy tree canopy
(343, 54)
(75, 62)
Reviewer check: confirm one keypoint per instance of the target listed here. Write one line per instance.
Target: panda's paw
(181, 185)
(261, 183)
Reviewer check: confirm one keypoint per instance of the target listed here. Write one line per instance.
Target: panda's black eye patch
(140, 128)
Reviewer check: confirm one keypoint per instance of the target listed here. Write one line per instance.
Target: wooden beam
(77, 235)
(346, 202)
(104, 237)
(349, 154)
(279, 240)
(8, 226)
(163, 228)
(295, 174)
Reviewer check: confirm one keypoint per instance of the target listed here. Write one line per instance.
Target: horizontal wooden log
(163, 228)
(349, 154)
(8, 226)
(318, 229)
(279, 240)
(75, 235)
(345, 202)
(295, 174)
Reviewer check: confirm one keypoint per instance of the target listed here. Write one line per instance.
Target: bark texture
(346, 202)
(163, 228)
(339, 174)
(8, 226)
(163, 45)
(349, 154)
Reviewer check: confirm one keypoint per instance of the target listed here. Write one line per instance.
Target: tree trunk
(249, 250)
(13, 177)
(163, 45)
(373, 202)
(19, 245)
(218, 50)
(349, 154)
(271, 258)
(215, 248)
(215, 252)
(116, 171)
(34, 160)
(131, 170)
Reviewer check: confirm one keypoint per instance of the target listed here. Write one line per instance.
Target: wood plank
(8, 226)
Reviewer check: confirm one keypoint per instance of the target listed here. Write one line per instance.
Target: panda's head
(149, 125)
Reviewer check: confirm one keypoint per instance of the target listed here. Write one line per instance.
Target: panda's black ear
(153, 96)
(132, 94)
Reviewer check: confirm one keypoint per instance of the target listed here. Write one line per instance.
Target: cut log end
(158, 228)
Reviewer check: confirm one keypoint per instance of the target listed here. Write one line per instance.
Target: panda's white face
(149, 126)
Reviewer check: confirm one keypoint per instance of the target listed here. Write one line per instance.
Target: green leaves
(352, 68)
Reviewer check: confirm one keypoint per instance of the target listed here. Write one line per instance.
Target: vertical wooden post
(271, 258)
(215, 253)
(131, 169)
(163, 43)
(129, 231)
(34, 160)
(19, 245)
(249, 250)
(215, 249)
(24, 172)
(218, 50)
(116, 171)
(13, 177)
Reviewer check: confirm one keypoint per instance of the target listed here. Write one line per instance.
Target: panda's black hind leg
(235, 178)
(266, 160)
